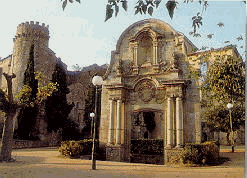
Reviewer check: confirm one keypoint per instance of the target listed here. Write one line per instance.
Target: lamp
(92, 116)
(230, 106)
(97, 82)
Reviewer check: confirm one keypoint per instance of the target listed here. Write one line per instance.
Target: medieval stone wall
(79, 83)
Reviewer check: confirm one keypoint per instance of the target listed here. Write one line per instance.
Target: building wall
(77, 95)
(79, 84)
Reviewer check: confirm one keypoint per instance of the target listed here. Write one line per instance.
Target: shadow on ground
(21, 160)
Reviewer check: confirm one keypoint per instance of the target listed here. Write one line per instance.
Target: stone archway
(143, 124)
(147, 143)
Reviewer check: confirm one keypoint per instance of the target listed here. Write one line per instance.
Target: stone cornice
(116, 86)
(175, 82)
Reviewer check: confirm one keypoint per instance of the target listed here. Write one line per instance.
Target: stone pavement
(46, 162)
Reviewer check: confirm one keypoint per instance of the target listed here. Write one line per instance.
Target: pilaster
(119, 123)
(169, 123)
(179, 121)
(111, 123)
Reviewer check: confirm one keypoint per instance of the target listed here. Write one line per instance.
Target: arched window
(145, 49)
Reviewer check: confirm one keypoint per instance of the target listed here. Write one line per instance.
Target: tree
(57, 107)
(148, 6)
(32, 93)
(224, 83)
(9, 107)
(27, 115)
(89, 108)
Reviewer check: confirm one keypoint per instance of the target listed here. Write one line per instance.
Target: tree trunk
(227, 138)
(8, 129)
(7, 137)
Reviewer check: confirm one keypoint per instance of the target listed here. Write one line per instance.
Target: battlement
(31, 29)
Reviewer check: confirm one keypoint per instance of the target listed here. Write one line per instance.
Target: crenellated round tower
(33, 31)
(27, 34)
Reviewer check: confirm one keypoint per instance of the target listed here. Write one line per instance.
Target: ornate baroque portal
(146, 94)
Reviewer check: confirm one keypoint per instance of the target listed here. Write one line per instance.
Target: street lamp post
(92, 123)
(229, 106)
(97, 82)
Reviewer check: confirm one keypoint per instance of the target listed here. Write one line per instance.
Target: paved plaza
(47, 162)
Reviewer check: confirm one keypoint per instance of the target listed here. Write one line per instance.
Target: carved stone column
(119, 123)
(155, 52)
(115, 149)
(134, 46)
(169, 123)
(111, 123)
(179, 121)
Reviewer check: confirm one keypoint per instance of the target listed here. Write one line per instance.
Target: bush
(75, 149)
(211, 152)
(71, 149)
(191, 154)
(205, 153)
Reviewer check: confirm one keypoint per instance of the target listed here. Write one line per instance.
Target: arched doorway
(147, 143)
(143, 124)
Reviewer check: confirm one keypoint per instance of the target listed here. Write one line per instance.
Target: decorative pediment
(146, 31)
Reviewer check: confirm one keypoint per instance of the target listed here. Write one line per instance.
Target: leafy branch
(147, 6)
(201, 2)
(114, 5)
(170, 5)
(66, 1)
(196, 23)
(44, 90)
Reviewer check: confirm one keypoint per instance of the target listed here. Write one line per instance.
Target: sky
(80, 35)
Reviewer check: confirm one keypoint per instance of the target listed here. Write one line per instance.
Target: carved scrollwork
(163, 66)
(145, 91)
